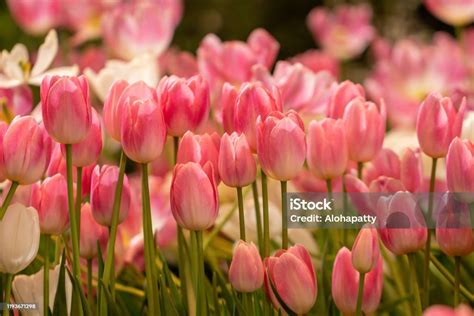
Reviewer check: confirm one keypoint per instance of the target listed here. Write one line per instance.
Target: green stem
(360, 167)
(266, 220)
(47, 241)
(202, 294)
(360, 294)
(90, 294)
(334, 232)
(78, 200)
(457, 277)
(149, 242)
(73, 223)
(417, 310)
(8, 199)
(240, 200)
(284, 215)
(8, 292)
(426, 266)
(258, 216)
(438, 265)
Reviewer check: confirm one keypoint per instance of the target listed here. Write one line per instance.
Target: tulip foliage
(150, 181)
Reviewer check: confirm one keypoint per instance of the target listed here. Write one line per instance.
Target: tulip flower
(237, 167)
(327, 148)
(402, 227)
(453, 12)
(103, 186)
(344, 93)
(438, 123)
(50, 200)
(459, 163)
(17, 101)
(281, 145)
(113, 110)
(246, 268)
(242, 108)
(201, 149)
(66, 108)
(35, 18)
(291, 274)
(411, 169)
(29, 288)
(345, 280)
(20, 236)
(194, 196)
(143, 131)
(91, 232)
(386, 163)
(365, 250)
(26, 150)
(185, 103)
(344, 33)
(441, 310)
(365, 129)
(88, 150)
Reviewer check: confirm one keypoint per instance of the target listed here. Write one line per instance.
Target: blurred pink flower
(317, 61)
(36, 17)
(454, 12)
(18, 101)
(178, 63)
(345, 32)
(441, 310)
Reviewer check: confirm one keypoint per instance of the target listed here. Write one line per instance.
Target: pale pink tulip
(344, 93)
(18, 101)
(453, 12)
(365, 250)
(36, 17)
(178, 63)
(246, 268)
(91, 232)
(113, 109)
(411, 169)
(386, 163)
(459, 166)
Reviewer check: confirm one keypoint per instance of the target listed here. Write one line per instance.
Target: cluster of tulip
(186, 222)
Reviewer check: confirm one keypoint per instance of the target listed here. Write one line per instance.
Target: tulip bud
(193, 198)
(281, 145)
(26, 150)
(201, 149)
(87, 151)
(19, 238)
(91, 232)
(327, 148)
(113, 109)
(411, 169)
(185, 103)
(66, 108)
(459, 163)
(437, 124)
(453, 227)
(291, 273)
(237, 166)
(103, 185)
(246, 269)
(365, 251)
(402, 227)
(50, 200)
(343, 94)
(365, 129)
(143, 131)
(345, 282)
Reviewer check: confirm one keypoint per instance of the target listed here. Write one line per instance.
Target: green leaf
(172, 286)
(77, 287)
(60, 305)
(167, 303)
(112, 307)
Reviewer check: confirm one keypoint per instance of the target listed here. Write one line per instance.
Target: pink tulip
(232, 61)
(201, 149)
(113, 109)
(291, 273)
(318, 61)
(241, 108)
(103, 185)
(344, 33)
(135, 28)
(327, 148)
(246, 268)
(22, 193)
(185, 103)
(386, 163)
(87, 151)
(411, 169)
(344, 93)
(281, 145)
(441, 310)
(3, 130)
(91, 232)
(459, 166)
(19, 100)
(66, 108)
(143, 131)
(178, 63)
(438, 123)
(50, 200)
(35, 17)
(345, 282)
(453, 227)
(237, 167)
(194, 196)
(365, 129)
(402, 227)
(26, 150)
(365, 251)
(454, 12)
